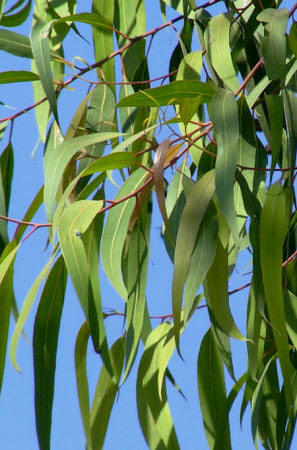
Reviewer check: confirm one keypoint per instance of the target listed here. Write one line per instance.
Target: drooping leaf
(56, 159)
(45, 342)
(105, 394)
(135, 276)
(212, 393)
(274, 227)
(75, 221)
(218, 47)
(82, 384)
(216, 293)
(153, 410)
(191, 219)
(25, 310)
(224, 114)
(115, 230)
(274, 41)
(41, 52)
(6, 292)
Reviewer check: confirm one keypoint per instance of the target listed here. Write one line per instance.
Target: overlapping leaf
(153, 410)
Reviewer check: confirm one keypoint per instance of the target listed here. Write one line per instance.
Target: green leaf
(216, 293)
(6, 165)
(224, 114)
(6, 295)
(41, 52)
(75, 221)
(276, 117)
(25, 310)
(159, 162)
(80, 355)
(105, 394)
(153, 410)
(170, 94)
(17, 76)
(218, 48)
(56, 160)
(15, 43)
(293, 38)
(190, 221)
(274, 41)
(103, 38)
(212, 393)
(115, 160)
(45, 342)
(274, 227)
(201, 260)
(14, 20)
(135, 275)
(91, 241)
(116, 228)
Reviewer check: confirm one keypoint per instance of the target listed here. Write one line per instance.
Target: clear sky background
(17, 422)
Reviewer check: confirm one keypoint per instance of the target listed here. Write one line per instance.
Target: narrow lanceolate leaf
(153, 410)
(216, 293)
(17, 76)
(276, 117)
(273, 230)
(191, 219)
(224, 114)
(45, 342)
(103, 38)
(91, 240)
(82, 384)
(170, 94)
(218, 49)
(159, 160)
(201, 260)
(75, 221)
(15, 43)
(26, 308)
(56, 160)
(105, 394)
(212, 393)
(41, 52)
(115, 231)
(135, 275)
(274, 41)
(6, 295)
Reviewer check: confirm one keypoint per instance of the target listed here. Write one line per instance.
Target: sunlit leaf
(170, 94)
(41, 53)
(56, 160)
(25, 310)
(224, 114)
(218, 47)
(115, 230)
(17, 76)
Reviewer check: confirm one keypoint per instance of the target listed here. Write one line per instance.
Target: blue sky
(17, 423)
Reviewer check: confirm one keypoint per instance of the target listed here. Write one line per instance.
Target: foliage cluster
(228, 114)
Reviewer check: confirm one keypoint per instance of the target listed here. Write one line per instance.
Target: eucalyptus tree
(222, 119)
